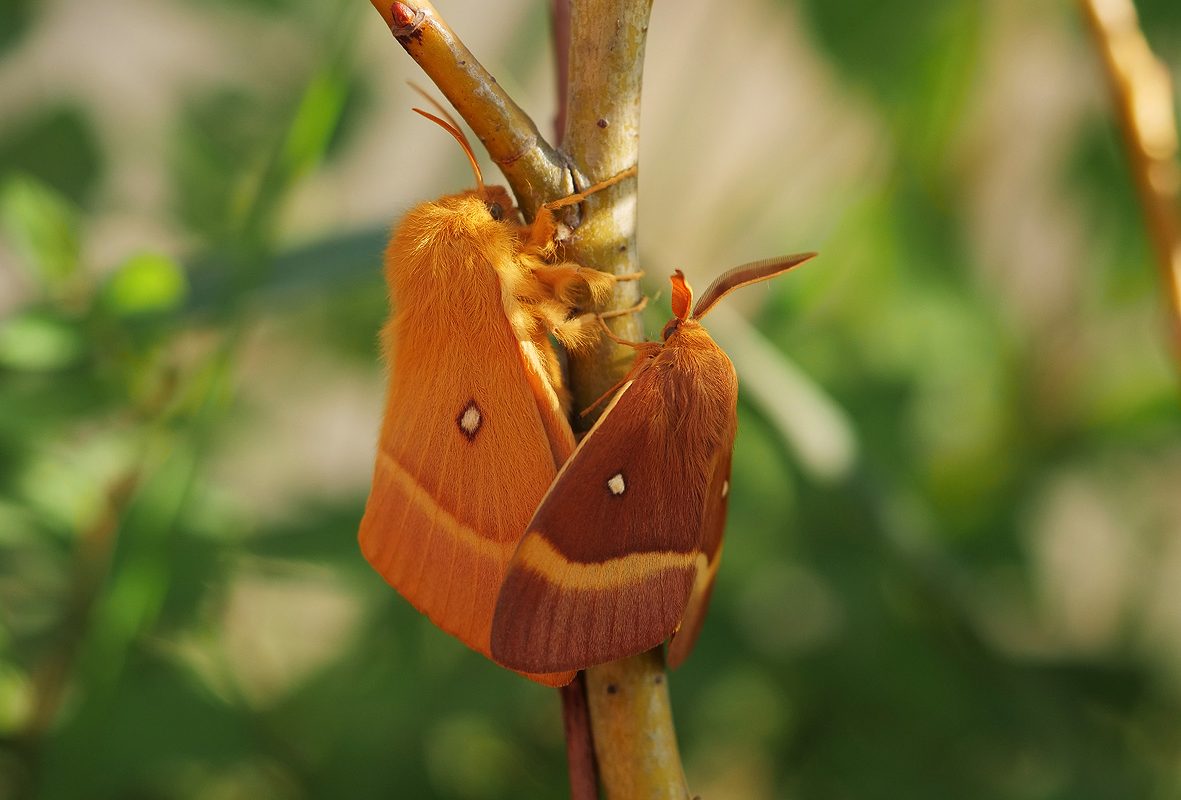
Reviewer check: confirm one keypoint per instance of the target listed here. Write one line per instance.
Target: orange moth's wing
(464, 457)
(610, 558)
(713, 525)
(553, 418)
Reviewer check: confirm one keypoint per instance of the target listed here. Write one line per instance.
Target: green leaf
(43, 226)
(37, 341)
(315, 122)
(55, 143)
(15, 698)
(146, 283)
(303, 147)
(14, 20)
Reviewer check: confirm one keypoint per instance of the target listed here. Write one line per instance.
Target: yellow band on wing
(443, 519)
(539, 556)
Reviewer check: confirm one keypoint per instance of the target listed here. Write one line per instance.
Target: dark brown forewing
(743, 275)
(713, 525)
(610, 557)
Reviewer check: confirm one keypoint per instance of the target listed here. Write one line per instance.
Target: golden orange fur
(475, 424)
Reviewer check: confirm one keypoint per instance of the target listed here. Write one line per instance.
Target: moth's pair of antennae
(448, 123)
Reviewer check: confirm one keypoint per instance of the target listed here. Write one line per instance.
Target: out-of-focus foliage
(985, 602)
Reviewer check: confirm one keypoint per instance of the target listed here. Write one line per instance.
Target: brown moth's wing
(463, 459)
(717, 500)
(609, 559)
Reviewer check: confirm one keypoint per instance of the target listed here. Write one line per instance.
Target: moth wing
(713, 526)
(608, 562)
(466, 452)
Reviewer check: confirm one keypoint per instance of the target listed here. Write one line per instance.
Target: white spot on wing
(470, 420)
(616, 484)
(725, 488)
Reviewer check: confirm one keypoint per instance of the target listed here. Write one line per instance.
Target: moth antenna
(459, 137)
(740, 276)
(682, 298)
(439, 107)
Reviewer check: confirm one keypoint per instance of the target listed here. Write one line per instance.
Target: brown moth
(623, 549)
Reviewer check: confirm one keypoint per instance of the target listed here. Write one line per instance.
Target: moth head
(498, 203)
(685, 314)
(496, 199)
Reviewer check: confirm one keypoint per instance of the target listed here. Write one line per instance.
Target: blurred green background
(953, 563)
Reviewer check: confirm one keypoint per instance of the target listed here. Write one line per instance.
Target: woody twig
(1143, 95)
(630, 713)
(630, 710)
(534, 170)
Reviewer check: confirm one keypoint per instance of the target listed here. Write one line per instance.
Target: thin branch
(633, 724)
(51, 680)
(580, 750)
(631, 716)
(534, 170)
(602, 139)
(1143, 95)
(92, 561)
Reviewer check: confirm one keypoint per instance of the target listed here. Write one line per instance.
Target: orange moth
(623, 549)
(474, 427)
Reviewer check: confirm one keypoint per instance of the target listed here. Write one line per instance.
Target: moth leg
(605, 395)
(577, 333)
(543, 233)
(578, 197)
(619, 312)
(610, 334)
(580, 331)
(564, 281)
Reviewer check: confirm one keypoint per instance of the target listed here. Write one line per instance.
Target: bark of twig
(534, 170)
(630, 713)
(602, 138)
(1143, 95)
(635, 739)
(631, 716)
(580, 750)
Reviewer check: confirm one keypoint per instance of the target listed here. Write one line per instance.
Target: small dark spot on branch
(612, 688)
(602, 123)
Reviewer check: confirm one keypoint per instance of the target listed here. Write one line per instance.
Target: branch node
(405, 21)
